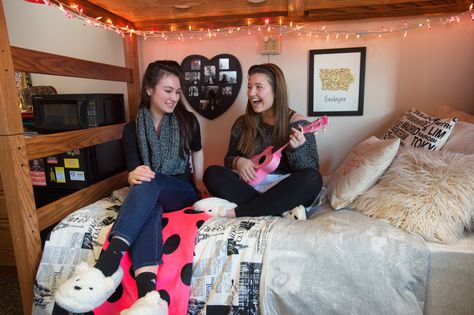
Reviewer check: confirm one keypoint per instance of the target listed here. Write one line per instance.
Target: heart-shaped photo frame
(211, 85)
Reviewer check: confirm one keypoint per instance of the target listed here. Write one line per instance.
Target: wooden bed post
(16, 181)
(131, 62)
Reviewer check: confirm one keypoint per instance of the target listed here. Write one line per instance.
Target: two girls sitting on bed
(158, 146)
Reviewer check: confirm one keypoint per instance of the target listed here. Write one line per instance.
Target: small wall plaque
(271, 45)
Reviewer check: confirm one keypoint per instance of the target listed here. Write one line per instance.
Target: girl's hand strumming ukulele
(267, 161)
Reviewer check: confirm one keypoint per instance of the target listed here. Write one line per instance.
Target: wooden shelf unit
(20, 221)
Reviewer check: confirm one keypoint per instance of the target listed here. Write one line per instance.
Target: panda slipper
(214, 206)
(87, 289)
(297, 213)
(150, 304)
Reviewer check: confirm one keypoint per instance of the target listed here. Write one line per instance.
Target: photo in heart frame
(211, 85)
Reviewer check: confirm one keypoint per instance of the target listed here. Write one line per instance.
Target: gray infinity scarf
(160, 151)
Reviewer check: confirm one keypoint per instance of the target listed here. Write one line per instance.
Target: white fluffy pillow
(361, 169)
(461, 139)
(425, 193)
(419, 130)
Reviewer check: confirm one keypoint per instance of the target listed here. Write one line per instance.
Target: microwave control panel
(92, 114)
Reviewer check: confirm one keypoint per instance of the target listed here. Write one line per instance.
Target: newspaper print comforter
(78, 237)
(338, 262)
(228, 258)
(228, 264)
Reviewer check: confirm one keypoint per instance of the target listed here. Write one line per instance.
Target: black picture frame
(212, 85)
(336, 81)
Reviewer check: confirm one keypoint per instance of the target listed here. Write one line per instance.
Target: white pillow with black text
(419, 130)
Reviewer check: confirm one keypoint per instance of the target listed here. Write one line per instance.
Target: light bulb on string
(74, 11)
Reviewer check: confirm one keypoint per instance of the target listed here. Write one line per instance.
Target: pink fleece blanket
(174, 275)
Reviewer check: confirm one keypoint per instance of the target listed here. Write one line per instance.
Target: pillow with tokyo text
(419, 130)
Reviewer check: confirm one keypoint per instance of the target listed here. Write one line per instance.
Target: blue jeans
(139, 218)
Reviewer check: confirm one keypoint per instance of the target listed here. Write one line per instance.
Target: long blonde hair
(252, 122)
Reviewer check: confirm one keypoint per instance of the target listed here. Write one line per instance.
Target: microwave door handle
(82, 113)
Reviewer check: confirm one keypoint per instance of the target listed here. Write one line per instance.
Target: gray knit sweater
(305, 156)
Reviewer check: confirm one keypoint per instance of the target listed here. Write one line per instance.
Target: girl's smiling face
(260, 92)
(165, 95)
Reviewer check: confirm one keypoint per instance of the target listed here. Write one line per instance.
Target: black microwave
(64, 112)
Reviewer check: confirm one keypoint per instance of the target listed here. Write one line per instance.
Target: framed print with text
(336, 82)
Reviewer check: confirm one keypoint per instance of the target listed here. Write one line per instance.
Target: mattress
(451, 278)
(450, 285)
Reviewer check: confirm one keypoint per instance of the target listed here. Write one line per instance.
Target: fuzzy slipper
(297, 213)
(150, 304)
(87, 289)
(214, 206)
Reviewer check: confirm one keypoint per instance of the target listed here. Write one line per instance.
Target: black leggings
(300, 188)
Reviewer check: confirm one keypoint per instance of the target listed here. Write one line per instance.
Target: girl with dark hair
(268, 121)
(158, 147)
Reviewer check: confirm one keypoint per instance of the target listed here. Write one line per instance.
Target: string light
(310, 30)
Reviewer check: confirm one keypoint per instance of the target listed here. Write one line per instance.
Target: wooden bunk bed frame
(20, 220)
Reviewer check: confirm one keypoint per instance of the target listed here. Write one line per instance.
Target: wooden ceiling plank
(328, 11)
(386, 10)
(148, 15)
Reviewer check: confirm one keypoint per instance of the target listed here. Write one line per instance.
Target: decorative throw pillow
(445, 111)
(426, 193)
(419, 130)
(360, 170)
(461, 139)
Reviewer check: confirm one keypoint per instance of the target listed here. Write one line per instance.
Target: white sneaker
(150, 304)
(297, 213)
(214, 206)
(87, 289)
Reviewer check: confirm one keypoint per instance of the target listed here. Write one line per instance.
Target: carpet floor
(10, 300)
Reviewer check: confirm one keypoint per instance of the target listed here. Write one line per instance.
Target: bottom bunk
(336, 262)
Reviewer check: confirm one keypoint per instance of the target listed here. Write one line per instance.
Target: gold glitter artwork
(336, 79)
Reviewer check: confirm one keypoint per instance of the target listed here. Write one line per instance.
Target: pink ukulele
(268, 162)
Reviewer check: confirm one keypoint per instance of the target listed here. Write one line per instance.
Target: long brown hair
(153, 74)
(252, 122)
